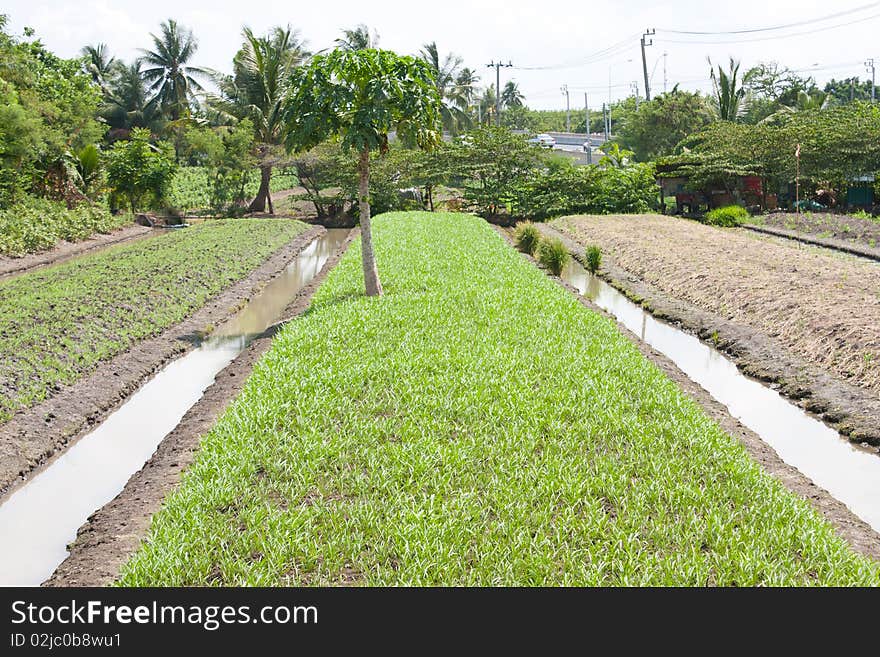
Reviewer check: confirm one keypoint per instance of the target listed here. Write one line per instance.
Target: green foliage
(140, 171)
(191, 188)
(594, 258)
(837, 144)
(362, 95)
(730, 97)
(37, 224)
(527, 237)
(480, 409)
(658, 125)
(728, 216)
(493, 163)
(562, 187)
(554, 255)
(58, 323)
(48, 107)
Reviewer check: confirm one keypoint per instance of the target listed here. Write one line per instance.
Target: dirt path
(850, 527)
(64, 251)
(115, 531)
(32, 437)
(790, 316)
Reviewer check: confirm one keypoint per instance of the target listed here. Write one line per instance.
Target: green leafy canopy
(362, 96)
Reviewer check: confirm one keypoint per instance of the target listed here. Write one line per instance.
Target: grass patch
(56, 324)
(475, 426)
(553, 254)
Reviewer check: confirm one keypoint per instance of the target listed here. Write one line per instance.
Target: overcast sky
(550, 44)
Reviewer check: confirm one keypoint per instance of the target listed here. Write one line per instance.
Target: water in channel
(851, 474)
(39, 518)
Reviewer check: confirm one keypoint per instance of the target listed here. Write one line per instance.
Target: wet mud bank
(849, 410)
(111, 534)
(31, 438)
(858, 533)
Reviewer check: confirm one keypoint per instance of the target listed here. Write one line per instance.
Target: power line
(771, 38)
(597, 56)
(783, 26)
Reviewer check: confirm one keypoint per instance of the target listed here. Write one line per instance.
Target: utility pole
(564, 90)
(589, 140)
(664, 70)
(647, 33)
(870, 66)
(497, 66)
(606, 114)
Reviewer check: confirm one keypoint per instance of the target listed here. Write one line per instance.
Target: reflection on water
(850, 474)
(40, 518)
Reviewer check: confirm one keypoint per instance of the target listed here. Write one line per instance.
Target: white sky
(530, 34)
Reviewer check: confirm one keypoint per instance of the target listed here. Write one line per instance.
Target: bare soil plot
(822, 306)
(826, 225)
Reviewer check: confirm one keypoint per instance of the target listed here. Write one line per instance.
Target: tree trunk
(368, 260)
(259, 203)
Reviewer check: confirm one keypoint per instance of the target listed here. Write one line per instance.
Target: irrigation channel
(40, 518)
(848, 472)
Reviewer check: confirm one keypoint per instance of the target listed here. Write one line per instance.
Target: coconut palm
(257, 90)
(466, 85)
(730, 99)
(99, 64)
(511, 95)
(446, 72)
(359, 38)
(172, 81)
(126, 104)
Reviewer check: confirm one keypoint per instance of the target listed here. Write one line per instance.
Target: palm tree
(257, 90)
(730, 98)
(171, 80)
(486, 104)
(99, 64)
(446, 73)
(615, 156)
(126, 104)
(511, 95)
(359, 38)
(466, 85)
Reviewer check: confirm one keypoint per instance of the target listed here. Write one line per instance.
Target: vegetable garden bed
(475, 425)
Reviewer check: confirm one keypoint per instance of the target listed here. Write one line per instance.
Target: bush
(594, 258)
(728, 216)
(553, 255)
(37, 224)
(527, 237)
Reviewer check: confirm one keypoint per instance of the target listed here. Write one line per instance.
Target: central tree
(361, 96)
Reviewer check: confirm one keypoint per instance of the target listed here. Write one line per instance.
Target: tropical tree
(361, 96)
(730, 98)
(658, 125)
(99, 64)
(466, 85)
(511, 95)
(455, 98)
(358, 38)
(169, 76)
(126, 104)
(257, 91)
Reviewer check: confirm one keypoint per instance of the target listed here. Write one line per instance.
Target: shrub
(37, 224)
(553, 255)
(594, 258)
(731, 215)
(527, 237)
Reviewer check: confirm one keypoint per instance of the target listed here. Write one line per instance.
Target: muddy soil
(848, 228)
(852, 410)
(68, 250)
(115, 531)
(850, 527)
(32, 437)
